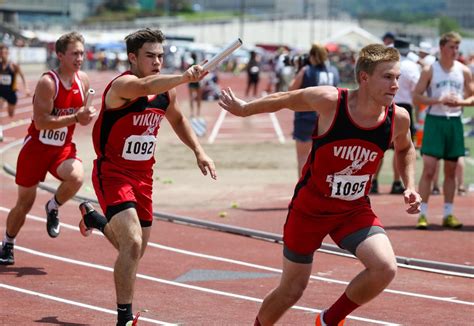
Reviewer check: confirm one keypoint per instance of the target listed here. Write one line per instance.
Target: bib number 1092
(139, 148)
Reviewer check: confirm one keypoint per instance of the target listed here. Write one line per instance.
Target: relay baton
(215, 60)
(89, 97)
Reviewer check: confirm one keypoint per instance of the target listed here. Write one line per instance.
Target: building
(462, 11)
(42, 14)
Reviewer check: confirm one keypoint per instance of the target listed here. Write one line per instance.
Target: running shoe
(6, 254)
(397, 188)
(85, 208)
(52, 222)
(435, 191)
(451, 221)
(374, 188)
(320, 320)
(422, 223)
(133, 322)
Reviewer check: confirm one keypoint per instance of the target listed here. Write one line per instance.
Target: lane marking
(177, 284)
(217, 126)
(256, 266)
(75, 303)
(277, 127)
(10, 145)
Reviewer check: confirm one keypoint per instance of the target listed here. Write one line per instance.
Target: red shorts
(305, 229)
(36, 159)
(117, 191)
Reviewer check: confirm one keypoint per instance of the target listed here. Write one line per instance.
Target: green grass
(208, 16)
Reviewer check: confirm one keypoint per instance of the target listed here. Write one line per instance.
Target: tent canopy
(353, 37)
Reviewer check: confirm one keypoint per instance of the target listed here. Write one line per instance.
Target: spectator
(8, 83)
(253, 73)
(425, 52)
(317, 72)
(451, 87)
(388, 39)
(285, 75)
(195, 93)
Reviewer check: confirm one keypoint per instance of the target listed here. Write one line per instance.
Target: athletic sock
(53, 204)
(448, 209)
(8, 239)
(339, 310)
(423, 208)
(124, 313)
(95, 220)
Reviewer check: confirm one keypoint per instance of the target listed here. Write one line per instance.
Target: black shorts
(303, 126)
(194, 85)
(9, 96)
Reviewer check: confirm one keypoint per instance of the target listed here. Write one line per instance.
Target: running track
(194, 276)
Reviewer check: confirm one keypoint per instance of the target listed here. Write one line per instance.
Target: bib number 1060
(139, 148)
(54, 137)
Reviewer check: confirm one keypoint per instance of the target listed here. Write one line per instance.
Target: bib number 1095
(139, 148)
(349, 187)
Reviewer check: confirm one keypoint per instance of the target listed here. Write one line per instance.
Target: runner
(354, 129)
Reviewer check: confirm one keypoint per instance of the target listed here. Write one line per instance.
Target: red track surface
(78, 269)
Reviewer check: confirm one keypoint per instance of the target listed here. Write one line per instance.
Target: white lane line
(18, 111)
(261, 267)
(177, 284)
(277, 127)
(75, 303)
(319, 278)
(16, 123)
(10, 145)
(217, 126)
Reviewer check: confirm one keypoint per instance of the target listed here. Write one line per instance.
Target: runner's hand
(229, 102)
(413, 199)
(206, 164)
(194, 74)
(85, 115)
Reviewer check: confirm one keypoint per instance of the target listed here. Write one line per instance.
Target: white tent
(353, 37)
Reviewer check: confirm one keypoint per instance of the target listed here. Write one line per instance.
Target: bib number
(5, 80)
(139, 148)
(54, 137)
(349, 187)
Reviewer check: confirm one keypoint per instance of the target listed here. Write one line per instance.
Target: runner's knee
(75, 178)
(132, 247)
(23, 206)
(294, 291)
(384, 271)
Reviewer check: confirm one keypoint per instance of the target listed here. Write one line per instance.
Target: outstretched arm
(405, 157)
(184, 131)
(129, 87)
(320, 99)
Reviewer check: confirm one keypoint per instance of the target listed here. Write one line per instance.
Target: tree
(118, 5)
(447, 24)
